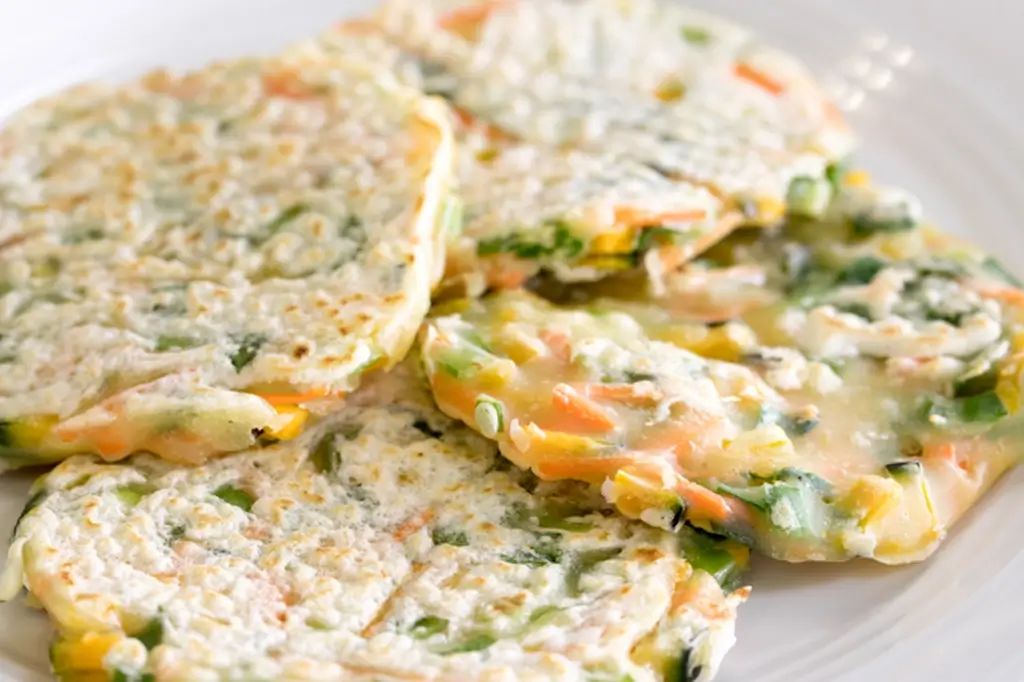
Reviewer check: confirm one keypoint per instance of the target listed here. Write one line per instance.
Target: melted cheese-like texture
(183, 254)
(387, 543)
(798, 457)
(903, 343)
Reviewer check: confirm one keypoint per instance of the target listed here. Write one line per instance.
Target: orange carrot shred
(565, 398)
(413, 524)
(759, 78)
(558, 342)
(632, 217)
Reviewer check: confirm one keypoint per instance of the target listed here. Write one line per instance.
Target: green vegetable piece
(325, 457)
(557, 239)
(696, 35)
(704, 552)
(476, 643)
(235, 497)
(133, 493)
(653, 235)
(982, 408)
(460, 362)
(834, 174)
(996, 268)
(986, 407)
(176, 533)
(152, 635)
(318, 624)
(536, 556)
(452, 216)
(557, 516)
(121, 676)
(6, 437)
(794, 426)
(88, 235)
(446, 536)
(973, 384)
(808, 197)
(286, 216)
(428, 626)
(490, 415)
(865, 225)
(862, 270)
(904, 468)
(166, 343)
(542, 615)
(34, 501)
(682, 670)
(792, 499)
(248, 346)
(582, 562)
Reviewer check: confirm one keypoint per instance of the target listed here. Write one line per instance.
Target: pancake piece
(188, 263)
(903, 342)
(530, 208)
(689, 94)
(387, 543)
(762, 447)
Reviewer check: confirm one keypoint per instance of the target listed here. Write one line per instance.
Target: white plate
(946, 126)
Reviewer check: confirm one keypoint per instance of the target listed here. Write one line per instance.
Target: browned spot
(300, 351)
(321, 304)
(509, 605)
(419, 202)
(649, 554)
(371, 628)
(291, 308)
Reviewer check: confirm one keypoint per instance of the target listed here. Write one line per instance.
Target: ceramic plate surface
(935, 91)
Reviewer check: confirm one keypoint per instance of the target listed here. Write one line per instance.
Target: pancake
(689, 94)
(802, 457)
(386, 543)
(531, 208)
(189, 263)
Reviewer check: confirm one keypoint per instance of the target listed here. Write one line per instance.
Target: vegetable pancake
(387, 543)
(769, 451)
(188, 260)
(527, 207)
(686, 93)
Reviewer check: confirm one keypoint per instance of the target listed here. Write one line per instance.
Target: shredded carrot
(1007, 295)
(503, 272)
(675, 255)
(634, 217)
(702, 501)
(759, 78)
(466, 18)
(582, 468)
(287, 84)
(629, 394)
(558, 342)
(413, 524)
(566, 399)
(292, 398)
(467, 119)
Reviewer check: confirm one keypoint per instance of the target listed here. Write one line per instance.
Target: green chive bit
(490, 416)
(133, 493)
(476, 643)
(235, 497)
(428, 626)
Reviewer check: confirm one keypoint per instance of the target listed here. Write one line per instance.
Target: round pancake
(686, 93)
(387, 543)
(610, 393)
(188, 261)
(529, 208)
